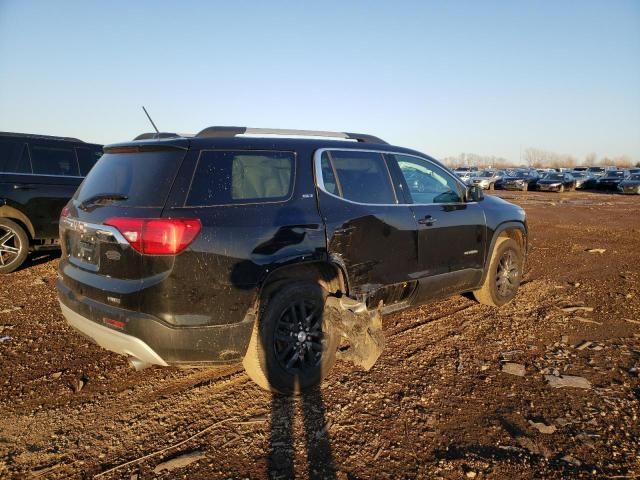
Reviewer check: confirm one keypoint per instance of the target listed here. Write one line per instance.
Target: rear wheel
(292, 347)
(503, 278)
(14, 245)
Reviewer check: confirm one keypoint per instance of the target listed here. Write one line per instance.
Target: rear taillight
(157, 236)
(64, 213)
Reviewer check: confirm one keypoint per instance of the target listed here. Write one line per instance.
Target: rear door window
(143, 177)
(87, 158)
(361, 177)
(226, 177)
(50, 160)
(14, 157)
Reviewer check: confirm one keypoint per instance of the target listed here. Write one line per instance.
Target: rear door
(56, 176)
(369, 231)
(451, 232)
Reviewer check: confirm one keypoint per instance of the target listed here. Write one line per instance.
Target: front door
(451, 232)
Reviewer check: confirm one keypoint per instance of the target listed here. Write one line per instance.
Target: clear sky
(486, 77)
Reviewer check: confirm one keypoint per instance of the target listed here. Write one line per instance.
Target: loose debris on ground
(460, 391)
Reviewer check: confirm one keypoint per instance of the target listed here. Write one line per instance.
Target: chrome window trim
(317, 170)
(40, 175)
(100, 229)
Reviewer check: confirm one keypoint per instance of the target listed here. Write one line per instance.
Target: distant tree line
(538, 158)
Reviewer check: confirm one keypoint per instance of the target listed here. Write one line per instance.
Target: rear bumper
(151, 340)
(111, 339)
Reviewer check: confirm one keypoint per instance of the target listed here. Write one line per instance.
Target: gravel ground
(546, 387)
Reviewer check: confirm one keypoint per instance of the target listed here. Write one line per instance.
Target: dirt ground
(459, 392)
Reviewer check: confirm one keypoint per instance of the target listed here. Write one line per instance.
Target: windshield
(487, 173)
(554, 176)
(578, 174)
(615, 174)
(596, 169)
(140, 179)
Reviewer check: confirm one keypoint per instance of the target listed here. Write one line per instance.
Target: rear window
(48, 160)
(225, 177)
(14, 157)
(144, 177)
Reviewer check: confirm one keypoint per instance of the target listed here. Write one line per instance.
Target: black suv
(224, 247)
(38, 176)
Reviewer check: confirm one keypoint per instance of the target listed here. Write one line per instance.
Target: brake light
(157, 236)
(65, 212)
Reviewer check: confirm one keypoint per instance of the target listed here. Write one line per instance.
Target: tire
(525, 187)
(14, 245)
(496, 293)
(561, 190)
(272, 359)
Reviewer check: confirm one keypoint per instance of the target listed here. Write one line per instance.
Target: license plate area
(85, 250)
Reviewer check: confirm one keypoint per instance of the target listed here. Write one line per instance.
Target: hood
(549, 181)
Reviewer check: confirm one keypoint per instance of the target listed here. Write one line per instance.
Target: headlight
(554, 185)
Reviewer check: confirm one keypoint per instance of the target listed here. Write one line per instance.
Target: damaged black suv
(274, 248)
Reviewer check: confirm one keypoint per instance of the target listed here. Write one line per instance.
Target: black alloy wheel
(297, 343)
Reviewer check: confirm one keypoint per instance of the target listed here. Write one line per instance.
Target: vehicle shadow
(38, 258)
(288, 410)
(281, 458)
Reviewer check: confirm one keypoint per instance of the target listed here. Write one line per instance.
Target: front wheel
(503, 278)
(14, 245)
(292, 347)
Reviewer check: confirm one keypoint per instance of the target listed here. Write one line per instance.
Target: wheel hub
(298, 342)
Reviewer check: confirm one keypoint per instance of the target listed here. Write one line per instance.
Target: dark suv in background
(221, 247)
(38, 176)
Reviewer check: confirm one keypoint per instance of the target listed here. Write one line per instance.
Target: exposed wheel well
(515, 234)
(18, 217)
(327, 275)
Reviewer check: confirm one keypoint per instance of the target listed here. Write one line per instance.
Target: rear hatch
(101, 227)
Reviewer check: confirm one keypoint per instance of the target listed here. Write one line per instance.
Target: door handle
(428, 220)
(22, 187)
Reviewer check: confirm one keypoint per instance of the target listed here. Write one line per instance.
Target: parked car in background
(610, 180)
(584, 180)
(557, 182)
(209, 249)
(486, 179)
(465, 173)
(38, 176)
(597, 171)
(523, 179)
(631, 171)
(631, 184)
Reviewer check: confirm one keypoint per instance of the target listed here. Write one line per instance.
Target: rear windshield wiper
(101, 197)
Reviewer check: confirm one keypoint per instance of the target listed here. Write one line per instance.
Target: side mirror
(474, 194)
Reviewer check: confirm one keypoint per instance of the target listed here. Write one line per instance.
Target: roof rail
(226, 132)
(45, 137)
